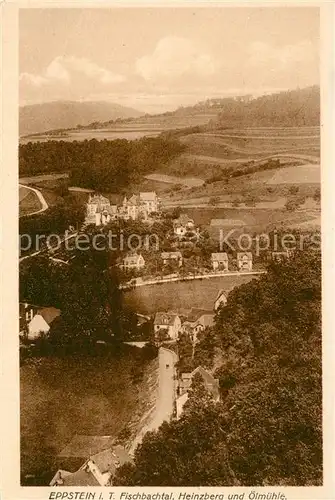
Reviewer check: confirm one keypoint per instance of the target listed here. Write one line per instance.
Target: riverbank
(140, 282)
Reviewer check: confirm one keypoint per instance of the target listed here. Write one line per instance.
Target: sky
(157, 59)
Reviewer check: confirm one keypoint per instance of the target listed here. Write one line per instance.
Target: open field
(181, 295)
(28, 201)
(240, 219)
(232, 146)
(304, 174)
(61, 397)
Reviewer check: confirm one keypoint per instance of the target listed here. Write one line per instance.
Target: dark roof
(196, 313)
(86, 446)
(211, 383)
(165, 319)
(80, 478)
(49, 314)
(111, 459)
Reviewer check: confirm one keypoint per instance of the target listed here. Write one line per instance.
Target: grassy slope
(61, 397)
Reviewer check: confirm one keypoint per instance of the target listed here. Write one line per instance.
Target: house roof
(220, 293)
(166, 319)
(184, 219)
(211, 383)
(82, 446)
(148, 196)
(133, 200)
(171, 255)
(98, 199)
(80, 478)
(133, 258)
(219, 256)
(194, 314)
(206, 320)
(49, 314)
(111, 459)
(243, 255)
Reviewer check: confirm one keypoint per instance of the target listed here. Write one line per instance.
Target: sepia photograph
(169, 267)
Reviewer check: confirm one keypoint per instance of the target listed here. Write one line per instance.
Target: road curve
(167, 360)
(40, 196)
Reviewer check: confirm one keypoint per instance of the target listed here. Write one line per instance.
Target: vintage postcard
(167, 285)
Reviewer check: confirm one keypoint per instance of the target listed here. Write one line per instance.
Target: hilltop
(55, 115)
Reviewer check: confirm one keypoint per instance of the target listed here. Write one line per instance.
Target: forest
(267, 428)
(106, 166)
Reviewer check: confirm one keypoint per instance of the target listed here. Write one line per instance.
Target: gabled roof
(244, 255)
(206, 320)
(211, 383)
(98, 199)
(80, 478)
(133, 258)
(110, 459)
(219, 256)
(165, 319)
(148, 196)
(221, 292)
(49, 314)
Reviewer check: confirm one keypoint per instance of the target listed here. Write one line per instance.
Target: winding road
(165, 396)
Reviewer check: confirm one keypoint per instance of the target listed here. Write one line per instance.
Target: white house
(219, 261)
(99, 210)
(150, 201)
(133, 261)
(40, 324)
(168, 323)
(221, 298)
(244, 261)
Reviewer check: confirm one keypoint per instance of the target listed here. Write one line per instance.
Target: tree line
(104, 165)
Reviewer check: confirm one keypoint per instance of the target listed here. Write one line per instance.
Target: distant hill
(68, 114)
(294, 108)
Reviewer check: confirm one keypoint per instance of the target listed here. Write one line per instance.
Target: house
(244, 261)
(183, 225)
(150, 201)
(99, 210)
(140, 205)
(98, 468)
(193, 326)
(168, 257)
(35, 320)
(221, 298)
(219, 261)
(168, 324)
(130, 208)
(133, 261)
(210, 383)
